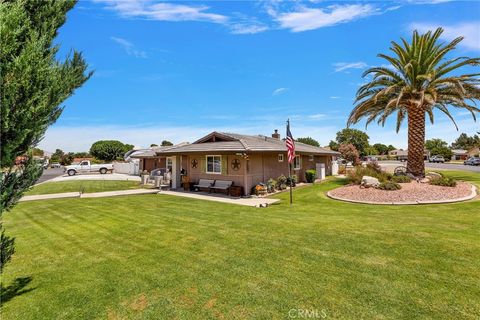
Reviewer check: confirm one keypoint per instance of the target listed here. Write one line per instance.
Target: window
(214, 164)
(84, 163)
(280, 157)
(297, 163)
(310, 157)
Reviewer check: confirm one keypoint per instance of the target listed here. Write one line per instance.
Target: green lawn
(86, 186)
(164, 257)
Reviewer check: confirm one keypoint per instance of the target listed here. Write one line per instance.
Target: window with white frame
(280, 157)
(214, 164)
(297, 163)
(310, 157)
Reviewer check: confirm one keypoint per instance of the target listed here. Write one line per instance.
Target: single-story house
(402, 155)
(247, 160)
(459, 154)
(473, 152)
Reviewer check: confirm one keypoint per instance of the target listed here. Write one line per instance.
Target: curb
(472, 195)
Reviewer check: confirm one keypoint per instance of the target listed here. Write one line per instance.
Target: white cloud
(342, 66)
(129, 47)
(317, 116)
(469, 30)
(428, 1)
(279, 91)
(334, 97)
(163, 11)
(241, 28)
(313, 18)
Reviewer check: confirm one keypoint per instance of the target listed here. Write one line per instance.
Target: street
(49, 174)
(391, 165)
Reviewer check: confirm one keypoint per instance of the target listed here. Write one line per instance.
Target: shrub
(342, 169)
(282, 182)
(443, 181)
(374, 166)
(401, 179)
(389, 185)
(355, 176)
(293, 180)
(271, 185)
(349, 153)
(310, 175)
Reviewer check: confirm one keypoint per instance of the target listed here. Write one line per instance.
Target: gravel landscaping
(412, 192)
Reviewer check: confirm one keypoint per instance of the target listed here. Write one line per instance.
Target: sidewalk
(251, 202)
(88, 195)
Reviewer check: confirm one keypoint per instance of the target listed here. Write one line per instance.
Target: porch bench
(222, 185)
(204, 184)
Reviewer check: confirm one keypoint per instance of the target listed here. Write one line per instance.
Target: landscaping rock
(432, 175)
(425, 180)
(368, 182)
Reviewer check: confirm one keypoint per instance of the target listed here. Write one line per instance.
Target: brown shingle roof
(243, 143)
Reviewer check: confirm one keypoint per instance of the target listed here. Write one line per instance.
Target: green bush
(355, 176)
(293, 180)
(443, 181)
(271, 185)
(282, 182)
(389, 185)
(401, 179)
(310, 175)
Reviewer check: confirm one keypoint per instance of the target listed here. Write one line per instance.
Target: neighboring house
(402, 155)
(459, 154)
(473, 152)
(246, 160)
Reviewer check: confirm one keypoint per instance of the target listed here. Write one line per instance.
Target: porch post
(176, 178)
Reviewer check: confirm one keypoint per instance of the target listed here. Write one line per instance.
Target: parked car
(55, 165)
(85, 166)
(473, 161)
(437, 159)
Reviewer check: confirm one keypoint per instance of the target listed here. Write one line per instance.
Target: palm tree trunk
(416, 141)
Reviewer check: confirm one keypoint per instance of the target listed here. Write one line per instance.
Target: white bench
(222, 185)
(205, 184)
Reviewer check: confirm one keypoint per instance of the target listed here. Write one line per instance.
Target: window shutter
(224, 165)
(203, 165)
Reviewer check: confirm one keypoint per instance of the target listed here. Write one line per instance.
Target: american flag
(290, 144)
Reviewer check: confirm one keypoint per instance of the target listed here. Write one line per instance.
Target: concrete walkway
(88, 195)
(96, 176)
(251, 202)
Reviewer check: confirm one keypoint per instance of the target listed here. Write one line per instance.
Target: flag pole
(290, 168)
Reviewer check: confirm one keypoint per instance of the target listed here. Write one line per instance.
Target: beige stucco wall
(258, 168)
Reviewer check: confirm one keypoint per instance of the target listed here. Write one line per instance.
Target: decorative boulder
(368, 182)
(432, 175)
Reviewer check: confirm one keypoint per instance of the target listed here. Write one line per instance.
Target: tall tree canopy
(309, 141)
(166, 143)
(466, 142)
(33, 86)
(418, 80)
(354, 136)
(109, 150)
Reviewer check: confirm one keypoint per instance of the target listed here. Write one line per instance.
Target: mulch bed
(410, 193)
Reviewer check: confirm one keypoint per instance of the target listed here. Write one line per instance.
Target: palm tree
(417, 81)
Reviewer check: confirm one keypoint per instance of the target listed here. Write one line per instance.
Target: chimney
(276, 135)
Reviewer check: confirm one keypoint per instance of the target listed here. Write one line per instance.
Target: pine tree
(33, 85)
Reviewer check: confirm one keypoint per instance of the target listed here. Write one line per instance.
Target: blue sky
(178, 70)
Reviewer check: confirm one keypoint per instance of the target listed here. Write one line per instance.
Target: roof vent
(276, 135)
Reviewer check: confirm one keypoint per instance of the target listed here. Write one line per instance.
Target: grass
(164, 257)
(86, 186)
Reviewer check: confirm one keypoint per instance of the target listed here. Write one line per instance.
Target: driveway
(49, 174)
(391, 165)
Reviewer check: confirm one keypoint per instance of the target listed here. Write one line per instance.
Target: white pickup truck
(85, 166)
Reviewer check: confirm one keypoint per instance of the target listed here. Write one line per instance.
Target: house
(247, 160)
(473, 152)
(459, 154)
(402, 155)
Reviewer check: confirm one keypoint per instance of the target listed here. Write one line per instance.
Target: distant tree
(309, 141)
(349, 153)
(444, 151)
(333, 145)
(33, 86)
(129, 147)
(37, 152)
(166, 143)
(109, 150)
(354, 136)
(381, 148)
(391, 148)
(371, 151)
(153, 145)
(67, 159)
(432, 144)
(466, 142)
(57, 155)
